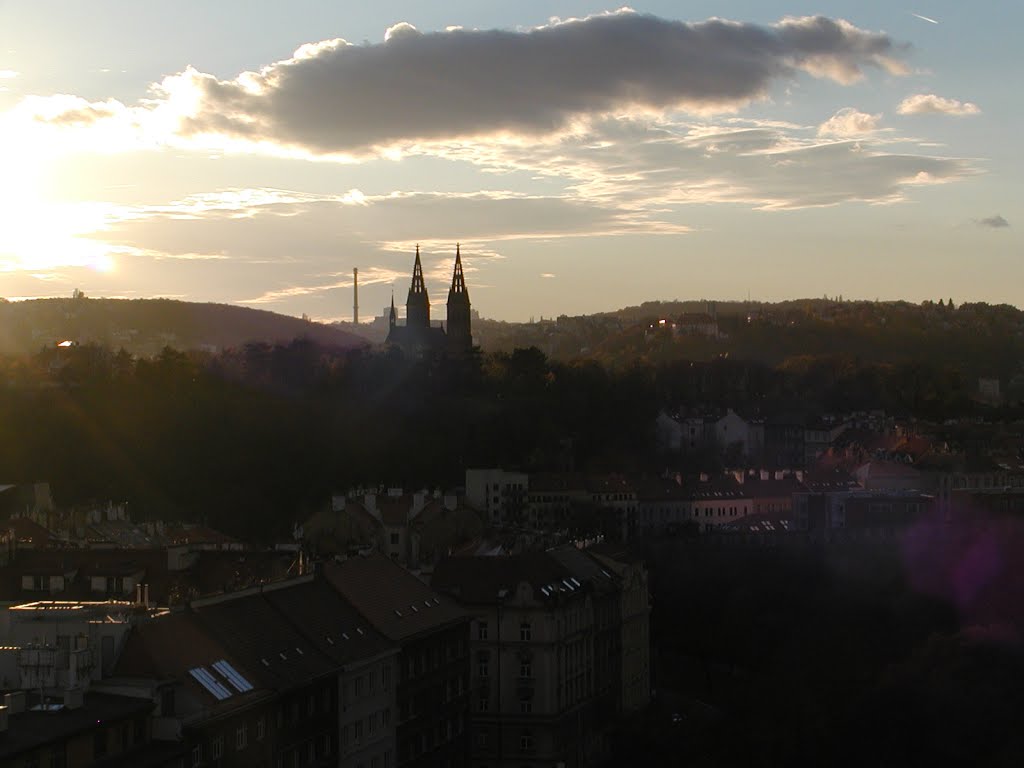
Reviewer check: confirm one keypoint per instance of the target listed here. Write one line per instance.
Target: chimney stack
(355, 296)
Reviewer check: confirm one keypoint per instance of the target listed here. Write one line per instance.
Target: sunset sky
(587, 157)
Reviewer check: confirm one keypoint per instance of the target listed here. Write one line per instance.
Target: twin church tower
(418, 336)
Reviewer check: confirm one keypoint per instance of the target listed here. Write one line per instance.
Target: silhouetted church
(417, 335)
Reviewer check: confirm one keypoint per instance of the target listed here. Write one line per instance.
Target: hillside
(145, 326)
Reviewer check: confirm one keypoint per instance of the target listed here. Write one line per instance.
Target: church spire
(417, 305)
(460, 337)
(392, 316)
(458, 279)
(418, 286)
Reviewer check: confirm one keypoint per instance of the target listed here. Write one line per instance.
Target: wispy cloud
(924, 18)
(930, 104)
(8, 74)
(640, 165)
(368, 276)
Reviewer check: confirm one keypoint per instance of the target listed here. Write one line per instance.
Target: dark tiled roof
(658, 489)
(255, 633)
(398, 604)
(585, 568)
(772, 488)
(328, 621)
(478, 580)
(394, 510)
(28, 531)
(168, 646)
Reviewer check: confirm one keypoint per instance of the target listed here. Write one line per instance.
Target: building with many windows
(533, 670)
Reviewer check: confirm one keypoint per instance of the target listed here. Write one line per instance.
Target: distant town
(642, 538)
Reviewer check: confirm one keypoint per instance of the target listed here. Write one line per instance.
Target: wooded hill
(145, 326)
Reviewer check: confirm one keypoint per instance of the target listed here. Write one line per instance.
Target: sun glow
(39, 234)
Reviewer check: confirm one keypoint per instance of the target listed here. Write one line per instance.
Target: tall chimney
(355, 296)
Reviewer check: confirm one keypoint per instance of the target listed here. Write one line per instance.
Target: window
(99, 744)
(481, 631)
(311, 752)
(217, 747)
(525, 632)
(371, 723)
(483, 664)
(241, 737)
(197, 756)
(394, 539)
(261, 728)
(386, 717)
(484, 704)
(481, 739)
(357, 731)
(386, 676)
(525, 669)
(167, 702)
(526, 741)
(525, 707)
(359, 686)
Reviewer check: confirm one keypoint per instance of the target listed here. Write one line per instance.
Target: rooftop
(395, 602)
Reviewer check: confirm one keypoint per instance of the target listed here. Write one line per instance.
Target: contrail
(924, 18)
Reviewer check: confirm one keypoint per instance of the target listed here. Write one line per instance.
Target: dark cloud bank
(336, 97)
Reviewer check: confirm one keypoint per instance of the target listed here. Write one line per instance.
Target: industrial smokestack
(355, 296)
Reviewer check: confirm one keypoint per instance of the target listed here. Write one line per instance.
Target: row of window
(352, 734)
(365, 685)
(525, 631)
(216, 750)
(432, 659)
(430, 738)
(484, 666)
(484, 705)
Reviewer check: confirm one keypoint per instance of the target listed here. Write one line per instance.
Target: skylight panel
(210, 683)
(233, 676)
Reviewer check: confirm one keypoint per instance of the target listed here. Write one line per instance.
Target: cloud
(930, 104)
(640, 165)
(994, 222)
(849, 122)
(8, 74)
(332, 97)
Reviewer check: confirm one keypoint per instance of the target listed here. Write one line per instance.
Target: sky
(587, 157)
